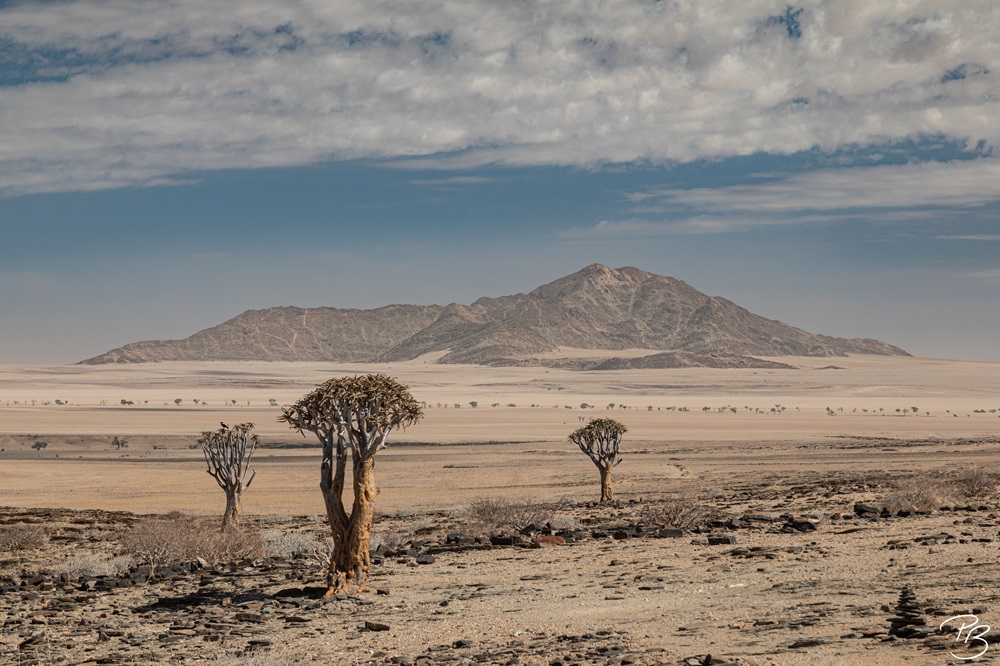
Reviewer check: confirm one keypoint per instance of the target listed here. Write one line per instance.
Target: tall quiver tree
(227, 453)
(600, 440)
(351, 415)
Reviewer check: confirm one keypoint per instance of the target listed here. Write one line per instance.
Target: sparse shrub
(21, 537)
(93, 564)
(390, 539)
(682, 511)
(279, 543)
(160, 541)
(489, 514)
(919, 493)
(975, 483)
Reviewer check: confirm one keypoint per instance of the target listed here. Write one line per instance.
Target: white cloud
(176, 86)
(949, 184)
(883, 193)
(453, 181)
(972, 237)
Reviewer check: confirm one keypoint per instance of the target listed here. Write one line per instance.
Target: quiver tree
(228, 451)
(351, 415)
(600, 440)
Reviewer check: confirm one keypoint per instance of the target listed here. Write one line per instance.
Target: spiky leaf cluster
(228, 451)
(600, 439)
(361, 409)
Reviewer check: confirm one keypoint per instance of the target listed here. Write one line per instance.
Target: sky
(168, 164)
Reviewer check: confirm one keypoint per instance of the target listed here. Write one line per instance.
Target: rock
(549, 540)
(376, 626)
(800, 524)
(426, 559)
(865, 510)
(720, 539)
(908, 616)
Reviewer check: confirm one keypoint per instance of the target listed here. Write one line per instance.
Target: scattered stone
(908, 616)
(720, 539)
(865, 510)
(376, 626)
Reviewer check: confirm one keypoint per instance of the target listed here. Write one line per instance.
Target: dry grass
(279, 543)
(491, 514)
(21, 537)
(93, 564)
(976, 483)
(390, 539)
(682, 511)
(929, 492)
(178, 538)
(919, 493)
(262, 657)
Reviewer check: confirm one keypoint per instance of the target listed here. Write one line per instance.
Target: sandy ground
(737, 422)
(767, 442)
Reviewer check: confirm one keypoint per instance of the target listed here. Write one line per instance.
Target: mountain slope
(595, 308)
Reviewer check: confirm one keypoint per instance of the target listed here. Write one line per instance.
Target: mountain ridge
(596, 308)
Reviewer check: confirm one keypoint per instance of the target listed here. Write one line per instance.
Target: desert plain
(785, 569)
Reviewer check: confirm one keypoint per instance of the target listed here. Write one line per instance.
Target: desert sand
(812, 441)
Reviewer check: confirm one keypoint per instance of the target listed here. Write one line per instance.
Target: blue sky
(167, 165)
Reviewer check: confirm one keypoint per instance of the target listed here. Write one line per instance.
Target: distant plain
(737, 421)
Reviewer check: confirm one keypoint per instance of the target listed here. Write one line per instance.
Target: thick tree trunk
(231, 518)
(350, 564)
(607, 494)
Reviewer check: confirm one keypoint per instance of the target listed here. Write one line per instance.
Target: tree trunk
(231, 518)
(350, 564)
(607, 494)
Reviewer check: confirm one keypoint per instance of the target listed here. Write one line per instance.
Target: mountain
(597, 308)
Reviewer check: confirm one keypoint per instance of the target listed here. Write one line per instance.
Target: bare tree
(119, 443)
(356, 415)
(600, 440)
(228, 451)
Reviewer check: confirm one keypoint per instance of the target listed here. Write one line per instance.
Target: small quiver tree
(228, 451)
(600, 440)
(351, 415)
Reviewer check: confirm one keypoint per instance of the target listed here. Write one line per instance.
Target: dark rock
(376, 626)
(865, 510)
(720, 539)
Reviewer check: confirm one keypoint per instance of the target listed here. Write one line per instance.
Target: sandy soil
(767, 443)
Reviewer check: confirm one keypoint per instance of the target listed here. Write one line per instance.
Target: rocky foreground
(782, 571)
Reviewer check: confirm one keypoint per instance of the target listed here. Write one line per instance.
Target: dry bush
(919, 493)
(278, 543)
(489, 514)
(21, 537)
(682, 511)
(159, 541)
(261, 657)
(93, 564)
(390, 539)
(975, 483)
